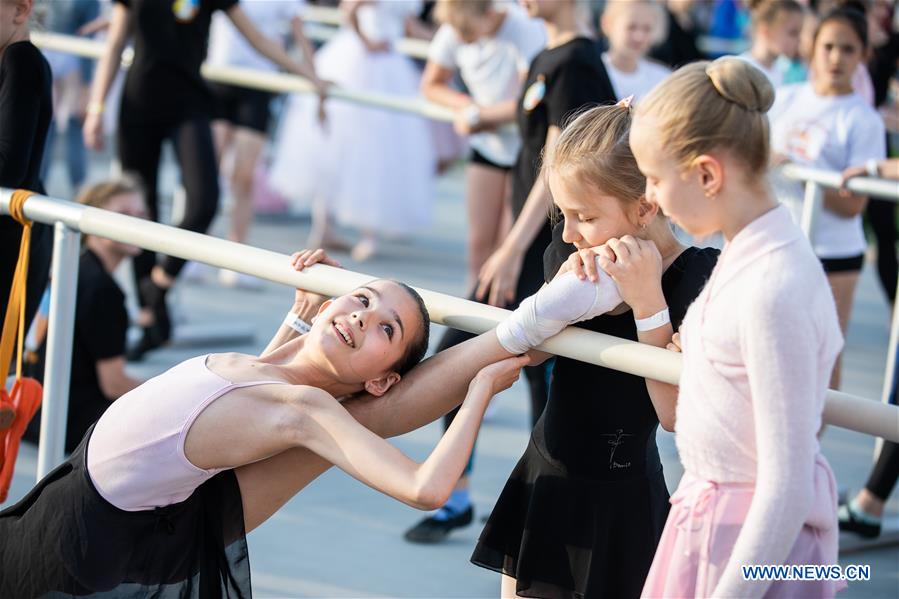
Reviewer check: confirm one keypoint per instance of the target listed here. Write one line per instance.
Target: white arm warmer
(563, 301)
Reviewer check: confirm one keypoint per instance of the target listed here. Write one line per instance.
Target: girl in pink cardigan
(759, 344)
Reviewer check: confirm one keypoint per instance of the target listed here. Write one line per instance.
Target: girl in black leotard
(584, 508)
(565, 77)
(26, 107)
(165, 98)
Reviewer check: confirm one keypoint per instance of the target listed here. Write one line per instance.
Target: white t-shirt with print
(832, 133)
(638, 83)
(227, 47)
(491, 69)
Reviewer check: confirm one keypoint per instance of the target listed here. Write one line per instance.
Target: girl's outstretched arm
(331, 432)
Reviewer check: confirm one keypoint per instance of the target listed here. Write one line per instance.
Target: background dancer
(823, 123)
(241, 114)
(631, 28)
(776, 27)
(98, 376)
(565, 77)
(752, 389)
(390, 154)
(491, 49)
(26, 110)
(582, 511)
(165, 98)
(170, 454)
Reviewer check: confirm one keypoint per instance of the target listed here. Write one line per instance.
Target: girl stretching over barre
(152, 501)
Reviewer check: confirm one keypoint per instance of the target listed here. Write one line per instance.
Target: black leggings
(883, 478)
(882, 217)
(140, 149)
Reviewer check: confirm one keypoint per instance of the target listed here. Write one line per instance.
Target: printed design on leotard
(534, 94)
(617, 439)
(185, 10)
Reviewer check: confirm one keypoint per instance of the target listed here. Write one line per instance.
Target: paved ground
(340, 539)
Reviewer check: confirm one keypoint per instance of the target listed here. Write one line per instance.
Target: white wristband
(659, 319)
(871, 168)
(297, 324)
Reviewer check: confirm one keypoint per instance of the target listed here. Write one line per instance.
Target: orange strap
(19, 405)
(13, 336)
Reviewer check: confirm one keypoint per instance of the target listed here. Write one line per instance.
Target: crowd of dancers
(614, 179)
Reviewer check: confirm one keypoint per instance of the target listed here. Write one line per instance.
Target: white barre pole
(811, 205)
(885, 189)
(267, 81)
(413, 48)
(60, 331)
(856, 413)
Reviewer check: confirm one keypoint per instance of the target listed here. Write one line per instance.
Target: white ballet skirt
(372, 168)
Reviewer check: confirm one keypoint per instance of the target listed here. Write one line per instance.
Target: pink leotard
(135, 456)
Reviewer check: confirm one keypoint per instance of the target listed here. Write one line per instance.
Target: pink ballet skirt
(702, 528)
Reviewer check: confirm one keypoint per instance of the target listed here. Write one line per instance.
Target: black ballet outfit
(583, 511)
(166, 98)
(26, 109)
(881, 213)
(573, 78)
(63, 539)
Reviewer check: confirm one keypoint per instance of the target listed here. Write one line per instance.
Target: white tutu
(372, 168)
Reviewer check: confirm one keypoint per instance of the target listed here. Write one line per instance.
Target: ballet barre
(71, 220)
(815, 181)
(255, 79)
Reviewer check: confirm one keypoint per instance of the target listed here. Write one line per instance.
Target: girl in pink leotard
(155, 499)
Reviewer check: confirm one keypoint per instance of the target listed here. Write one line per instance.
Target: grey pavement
(341, 539)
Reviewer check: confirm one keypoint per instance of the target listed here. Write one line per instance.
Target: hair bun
(739, 82)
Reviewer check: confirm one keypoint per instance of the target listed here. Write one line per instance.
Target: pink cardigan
(759, 344)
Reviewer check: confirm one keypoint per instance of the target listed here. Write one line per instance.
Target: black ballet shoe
(157, 334)
(850, 523)
(153, 337)
(431, 530)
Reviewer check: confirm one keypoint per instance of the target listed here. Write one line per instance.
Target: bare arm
(663, 395)
(498, 114)
(110, 60)
(331, 432)
(269, 48)
(636, 267)
(305, 303)
(506, 112)
(306, 310)
(499, 275)
(844, 203)
(300, 39)
(114, 381)
(435, 87)
(534, 214)
(107, 67)
(889, 169)
(352, 11)
(429, 391)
